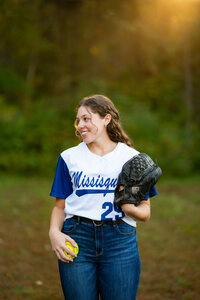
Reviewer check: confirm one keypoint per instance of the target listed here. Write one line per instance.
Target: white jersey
(87, 182)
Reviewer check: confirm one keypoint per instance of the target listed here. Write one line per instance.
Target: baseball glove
(138, 176)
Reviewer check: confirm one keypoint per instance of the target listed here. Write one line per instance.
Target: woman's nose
(80, 124)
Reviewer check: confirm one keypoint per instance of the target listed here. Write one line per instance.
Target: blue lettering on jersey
(80, 181)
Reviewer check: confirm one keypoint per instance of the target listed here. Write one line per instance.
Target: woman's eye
(86, 119)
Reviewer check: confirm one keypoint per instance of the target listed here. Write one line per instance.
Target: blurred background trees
(144, 55)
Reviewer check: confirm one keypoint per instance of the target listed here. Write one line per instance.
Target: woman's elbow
(146, 211)
(146, 216)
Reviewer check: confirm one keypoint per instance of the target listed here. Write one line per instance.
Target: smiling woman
(108, 263)
(91, 126)
(101, 107)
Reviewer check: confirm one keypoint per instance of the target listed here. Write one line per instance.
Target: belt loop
(79, 219)
(115, 223)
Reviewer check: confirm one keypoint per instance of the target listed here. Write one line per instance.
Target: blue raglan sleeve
(62, 185)
(153, 192)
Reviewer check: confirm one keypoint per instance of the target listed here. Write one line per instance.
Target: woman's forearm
(57, 237)
(141, 212)
(57, 219)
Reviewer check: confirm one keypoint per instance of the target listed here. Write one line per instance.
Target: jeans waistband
(97, 223)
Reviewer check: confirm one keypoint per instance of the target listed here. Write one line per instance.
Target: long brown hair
(103, 105)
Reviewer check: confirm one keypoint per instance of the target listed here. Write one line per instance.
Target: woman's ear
(107, 119)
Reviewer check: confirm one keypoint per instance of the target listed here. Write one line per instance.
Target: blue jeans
(108, 263)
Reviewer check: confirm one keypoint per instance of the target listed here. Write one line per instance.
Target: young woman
(108, 262)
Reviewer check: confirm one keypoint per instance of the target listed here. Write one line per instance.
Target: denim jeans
(108, 262)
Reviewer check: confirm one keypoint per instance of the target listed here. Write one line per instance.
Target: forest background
(144, 55)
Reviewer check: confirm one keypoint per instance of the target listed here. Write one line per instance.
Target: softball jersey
(87, 182)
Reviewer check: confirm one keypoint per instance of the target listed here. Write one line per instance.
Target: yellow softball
(72, 248)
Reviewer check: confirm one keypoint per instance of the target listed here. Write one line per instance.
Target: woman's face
(90, 125)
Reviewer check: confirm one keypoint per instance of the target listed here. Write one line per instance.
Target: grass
(168, 243)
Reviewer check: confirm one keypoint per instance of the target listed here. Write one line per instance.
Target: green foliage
(12, 84)
(32, 141)
(144, 55)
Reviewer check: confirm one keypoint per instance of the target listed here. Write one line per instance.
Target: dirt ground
(169, 242)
